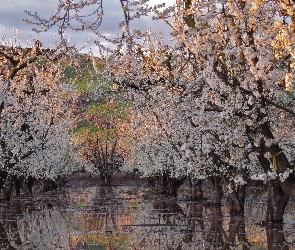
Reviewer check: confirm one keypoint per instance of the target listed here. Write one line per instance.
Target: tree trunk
(282, 163)
(30, 183)
(48, 185)
(173, 185)
(106, 179)
(277, 196)
(152, 182)
(217, 192)
(62, 180)
(3, 176)
(277, 202)
(164, 184)
(236, 200)
(10, 182)
(195, 189)
(8, 187)
(18, 182)
(288, 186)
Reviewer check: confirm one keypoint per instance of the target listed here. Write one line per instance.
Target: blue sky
(12, 13)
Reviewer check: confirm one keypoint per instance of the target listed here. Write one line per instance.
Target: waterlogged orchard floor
(85, 215)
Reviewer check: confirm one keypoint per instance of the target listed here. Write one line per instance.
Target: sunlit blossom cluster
(35, 120)
(217, 101)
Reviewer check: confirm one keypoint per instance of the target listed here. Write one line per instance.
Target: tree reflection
(168, 211)
(4, 242)
(29, 226)
(8, 226)
(237, 233)
(214, 236)
(276, 237)
(101, 222)
(194, 220)
(115, 218)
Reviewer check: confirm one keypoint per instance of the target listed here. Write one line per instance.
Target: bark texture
(276, 203)
(165, 184)
(195, 189)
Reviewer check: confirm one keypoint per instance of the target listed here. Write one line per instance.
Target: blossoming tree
(222, 93)
(35, 117)
(217, 102)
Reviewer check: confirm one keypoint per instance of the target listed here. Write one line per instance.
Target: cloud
(13, 14)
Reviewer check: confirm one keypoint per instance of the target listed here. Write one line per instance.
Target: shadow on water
(133, 217)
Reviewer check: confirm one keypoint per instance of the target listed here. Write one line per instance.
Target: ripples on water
(133, 217)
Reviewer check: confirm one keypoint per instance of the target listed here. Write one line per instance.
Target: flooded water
(133, 217)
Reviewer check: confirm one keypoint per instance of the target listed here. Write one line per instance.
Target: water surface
(131, 216)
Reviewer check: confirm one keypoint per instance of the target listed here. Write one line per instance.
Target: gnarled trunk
(18, 182)
(195, 189)
(236, 200)
(165, 184)
(282, 163)
(48, 185)
(30, 183)
(8, 187)
(10, 182)
(217, 192)
(276, 203)
(277, 196)
(288, 186)
(3, 176)
(105, 179)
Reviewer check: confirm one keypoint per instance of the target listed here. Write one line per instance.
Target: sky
(13, 12)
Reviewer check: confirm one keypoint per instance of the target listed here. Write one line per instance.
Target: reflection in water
(237, 232)
(194, 221)
(276, 238)
(126, 217)
(30, 227)
(214, 235)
